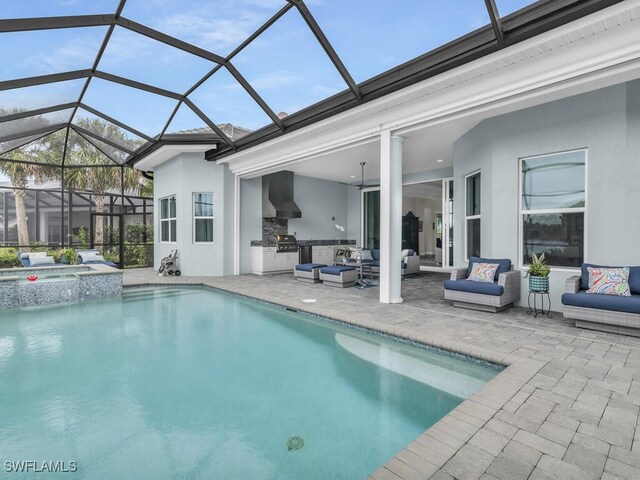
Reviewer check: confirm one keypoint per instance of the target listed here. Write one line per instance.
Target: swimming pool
(191, 383)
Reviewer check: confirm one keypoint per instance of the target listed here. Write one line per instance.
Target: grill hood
(277, 196)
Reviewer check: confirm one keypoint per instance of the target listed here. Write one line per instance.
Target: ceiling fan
(362, 185)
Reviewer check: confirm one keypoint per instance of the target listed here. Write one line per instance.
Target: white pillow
(404, 254)
(30, 255)
(39, 260)
(91, 257)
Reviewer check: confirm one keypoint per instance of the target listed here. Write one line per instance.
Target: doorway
(427, 221)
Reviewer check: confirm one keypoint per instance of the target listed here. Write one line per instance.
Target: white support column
(236, 225)
(390, 217)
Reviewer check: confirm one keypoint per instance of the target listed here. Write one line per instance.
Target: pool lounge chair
(93, 257)
(37, 259)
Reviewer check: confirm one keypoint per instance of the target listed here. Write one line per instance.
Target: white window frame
(168, 219)
(521, 213)
(200, 217)
(471, 217)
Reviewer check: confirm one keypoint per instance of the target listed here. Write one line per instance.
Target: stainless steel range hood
(277, 196)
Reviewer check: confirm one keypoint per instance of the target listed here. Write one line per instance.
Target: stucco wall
(607, 122)
(184, 175)
(324, 205)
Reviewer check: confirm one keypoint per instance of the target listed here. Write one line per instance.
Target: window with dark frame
(473, 215)
(553, 207)
(203, 217)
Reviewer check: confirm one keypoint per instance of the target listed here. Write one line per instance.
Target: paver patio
(566, 407)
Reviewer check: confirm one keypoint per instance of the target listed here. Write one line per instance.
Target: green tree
(43, 151)
(102, 176)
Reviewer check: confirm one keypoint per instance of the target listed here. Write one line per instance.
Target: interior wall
(354, 220)
(323, 204)
(607, 123)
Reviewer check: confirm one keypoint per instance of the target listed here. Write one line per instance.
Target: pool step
(444, 379)
(149, 293)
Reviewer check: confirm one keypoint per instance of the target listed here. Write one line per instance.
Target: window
(168, 224)
(472, 215)
(552, 208)
(203, 217)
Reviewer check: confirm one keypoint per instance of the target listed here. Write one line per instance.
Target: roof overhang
(540, 17)
(591, 52)
(167, 151)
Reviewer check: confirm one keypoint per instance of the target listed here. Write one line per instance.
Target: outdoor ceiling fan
(362, 185)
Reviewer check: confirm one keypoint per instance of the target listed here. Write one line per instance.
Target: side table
(535, 310)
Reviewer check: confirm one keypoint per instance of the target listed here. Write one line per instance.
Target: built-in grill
(286, 243)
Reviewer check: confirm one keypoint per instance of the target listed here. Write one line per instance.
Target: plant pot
(538, 284)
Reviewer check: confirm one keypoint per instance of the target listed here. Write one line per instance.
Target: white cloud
(71, 56)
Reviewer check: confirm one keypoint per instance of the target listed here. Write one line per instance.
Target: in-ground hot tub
(57, 284)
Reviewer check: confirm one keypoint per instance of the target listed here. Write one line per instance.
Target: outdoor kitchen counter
(266, 259)
(260, 243)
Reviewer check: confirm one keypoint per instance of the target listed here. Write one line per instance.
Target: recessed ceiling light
(352, 176)
(439, 160)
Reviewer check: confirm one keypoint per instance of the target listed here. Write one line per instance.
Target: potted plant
(345, 253)
(538, 274)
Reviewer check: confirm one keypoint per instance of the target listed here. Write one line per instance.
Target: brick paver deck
(566, 407)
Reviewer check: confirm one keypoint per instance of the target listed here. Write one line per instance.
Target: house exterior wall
(607, 123)
(183, 175)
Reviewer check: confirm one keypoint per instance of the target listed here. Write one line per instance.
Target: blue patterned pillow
(609, 281)
(483, 272)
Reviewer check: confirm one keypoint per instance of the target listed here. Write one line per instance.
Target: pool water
(191, 383)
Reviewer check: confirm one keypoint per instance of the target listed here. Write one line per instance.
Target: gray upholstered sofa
(607, 313)
(486, 296)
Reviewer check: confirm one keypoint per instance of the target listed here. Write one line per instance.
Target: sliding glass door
(371, 219)
(447, 208)
(444, 221)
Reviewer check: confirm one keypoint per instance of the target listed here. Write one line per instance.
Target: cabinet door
(268, 260)
(292, 260)
(281, 261)
(317, 254)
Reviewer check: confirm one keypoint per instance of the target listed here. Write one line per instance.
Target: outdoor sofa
(486, 296)
(607, 313)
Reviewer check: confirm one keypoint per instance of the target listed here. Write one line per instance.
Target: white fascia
(593, 52)
(166, 153)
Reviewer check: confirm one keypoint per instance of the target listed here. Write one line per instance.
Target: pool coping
(437, 445)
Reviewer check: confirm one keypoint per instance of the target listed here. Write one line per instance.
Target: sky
(285, 65)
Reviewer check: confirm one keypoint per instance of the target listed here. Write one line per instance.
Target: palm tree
(102, 176)
(42, 151)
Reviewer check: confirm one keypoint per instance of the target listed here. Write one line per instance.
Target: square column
(390, 217)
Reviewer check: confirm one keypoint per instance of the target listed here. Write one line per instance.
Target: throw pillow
(39, 260)
(404, 254)
(483, 272)
(366, 256)
(609, 281)
(31, 255)
(92, 257)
